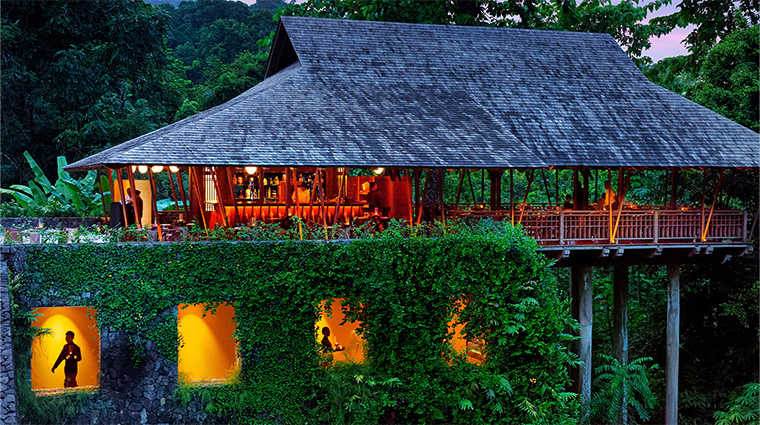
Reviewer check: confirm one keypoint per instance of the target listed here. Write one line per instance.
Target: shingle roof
(358, 93)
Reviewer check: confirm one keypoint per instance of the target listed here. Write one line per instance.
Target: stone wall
(8, 393)
(130, 392)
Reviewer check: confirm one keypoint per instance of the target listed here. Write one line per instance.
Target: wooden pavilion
(411, 100)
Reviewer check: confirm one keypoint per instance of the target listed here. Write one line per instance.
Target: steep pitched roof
(358, 93)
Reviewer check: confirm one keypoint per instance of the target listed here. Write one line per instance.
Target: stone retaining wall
(8, 393)
(129, 393)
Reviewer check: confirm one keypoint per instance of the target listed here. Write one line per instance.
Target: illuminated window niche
(47, 348)
(473, 347)
(344, 335)
(208, 352)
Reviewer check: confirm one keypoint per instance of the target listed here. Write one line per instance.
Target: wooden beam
(673, 186)
(673, 340)
(196, 182)
(289, 191)
(440, 194)
(512, 196)
(133, 191)
(621, 197)
(154, 203)
(219, 203)
(174, 191)
(712, 208)
(102, 197)
(232, 191)
(185, 204)
(120, 179)
(459, 187)
(546, 188)
(609, 207)
(341, 177)
(472, 189)
(525, 198)
(424, 194)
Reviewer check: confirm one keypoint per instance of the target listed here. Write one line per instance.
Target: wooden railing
(572, 227)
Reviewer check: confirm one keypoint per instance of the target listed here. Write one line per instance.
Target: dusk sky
(662, 47)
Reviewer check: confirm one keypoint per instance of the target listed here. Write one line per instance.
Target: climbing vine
(403, 290)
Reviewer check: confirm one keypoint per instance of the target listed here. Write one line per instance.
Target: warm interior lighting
(134, 168)
(472, 348)
(208, 351)
(142, 168)
(344, 334)
(173, 168)
(250, 170)
(157, 168)
(378, 170)
(45, 349)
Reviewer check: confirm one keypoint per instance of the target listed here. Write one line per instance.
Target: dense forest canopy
(78, 77)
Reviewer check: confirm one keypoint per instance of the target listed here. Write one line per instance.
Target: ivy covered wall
(403, 291)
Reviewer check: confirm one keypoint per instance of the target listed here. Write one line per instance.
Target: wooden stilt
(620, 325)
(417, 194)
(133, 194)
(120, 179)
(411, 201)
(582, 307)
(673, 337)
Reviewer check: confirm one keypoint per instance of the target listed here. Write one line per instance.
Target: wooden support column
(440, 194)
(512, 196)
(133, 194)
(185, 203)
(582, 305)
(673, 326)
(120, 179)
(620, 326)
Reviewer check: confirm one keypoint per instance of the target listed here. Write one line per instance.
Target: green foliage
(403, 290)
(622, 390)
(67, 197)
(744, 407)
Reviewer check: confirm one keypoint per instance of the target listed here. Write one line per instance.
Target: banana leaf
(39, 175)
(37, 193)
(71, 192)
(107, 195)
(22, 198)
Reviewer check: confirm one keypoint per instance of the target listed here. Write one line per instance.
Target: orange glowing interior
(473, 348)
(45, 349)
(209, 350)
(345, 335)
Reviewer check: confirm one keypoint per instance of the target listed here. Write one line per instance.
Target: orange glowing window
(80, 361)
(346, 345)
(208, 351)
(472, 347)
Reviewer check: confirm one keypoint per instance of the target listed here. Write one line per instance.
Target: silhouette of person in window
(72, 354)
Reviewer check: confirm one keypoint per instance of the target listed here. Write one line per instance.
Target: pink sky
(662, 47)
